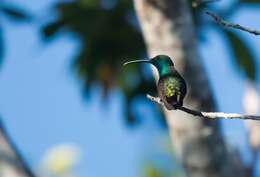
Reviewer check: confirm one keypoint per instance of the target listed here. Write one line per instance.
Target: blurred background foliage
(109, 35)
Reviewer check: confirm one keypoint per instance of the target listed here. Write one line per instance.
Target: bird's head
(163, 63)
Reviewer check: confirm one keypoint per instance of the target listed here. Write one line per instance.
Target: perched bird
(171, 86)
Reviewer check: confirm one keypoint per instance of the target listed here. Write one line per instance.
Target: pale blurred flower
(60, 159)
(251, 103)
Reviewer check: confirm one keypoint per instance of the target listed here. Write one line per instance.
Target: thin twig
(227, 24)
(208, 115)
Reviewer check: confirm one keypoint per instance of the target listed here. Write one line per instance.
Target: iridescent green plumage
(171, 86)
(172, 89)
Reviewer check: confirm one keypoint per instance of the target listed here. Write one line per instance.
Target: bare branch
(208, 115)
(227, 24)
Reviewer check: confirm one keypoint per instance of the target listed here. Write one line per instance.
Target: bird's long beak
(137, 61)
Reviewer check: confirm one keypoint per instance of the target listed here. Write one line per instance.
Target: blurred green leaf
(15, 13)
(243, 55)
(152, 171)
(51, 29)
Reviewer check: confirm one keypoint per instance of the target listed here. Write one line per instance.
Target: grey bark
(11, 162)
(168, 29)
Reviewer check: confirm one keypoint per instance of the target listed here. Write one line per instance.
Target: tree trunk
(168, 29)
(11, 162)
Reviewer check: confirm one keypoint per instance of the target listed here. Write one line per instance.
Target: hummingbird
(171, 86)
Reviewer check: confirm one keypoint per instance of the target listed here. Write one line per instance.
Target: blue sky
(42, 106)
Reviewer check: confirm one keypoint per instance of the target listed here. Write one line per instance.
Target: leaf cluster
(109, 35)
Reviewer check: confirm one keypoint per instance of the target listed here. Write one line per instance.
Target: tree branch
(208, 115)
(227, 24)
(11, 161)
